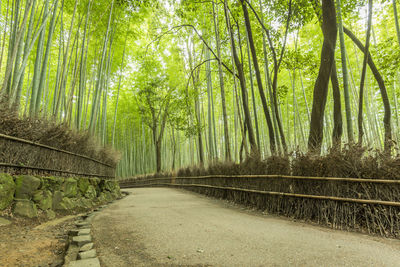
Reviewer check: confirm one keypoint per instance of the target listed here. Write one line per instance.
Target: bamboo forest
(175, 83)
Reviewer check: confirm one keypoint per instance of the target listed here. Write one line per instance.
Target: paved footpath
(171, 227)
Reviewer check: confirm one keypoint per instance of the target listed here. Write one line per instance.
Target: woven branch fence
(19, 156)
(366, 205)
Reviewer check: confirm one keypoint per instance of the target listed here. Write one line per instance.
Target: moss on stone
(90, 192)
(25, 208)
(26, 186)
(66, 204)
(44, 199)
(83, 185)
(7, 189)
(95, 181)
(50, 214)
(57, 198)
(70, 187)
(84, 203)
(52, 183)
(54, 193)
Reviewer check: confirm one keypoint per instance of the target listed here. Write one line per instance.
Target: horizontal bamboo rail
(342, 199)
(332, 179)
(12, 138)
(52, 170)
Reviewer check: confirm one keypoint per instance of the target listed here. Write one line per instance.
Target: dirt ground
(171, 227)
(34, 242)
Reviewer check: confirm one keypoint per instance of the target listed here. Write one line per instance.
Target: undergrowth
(350, 162)
(58, 135)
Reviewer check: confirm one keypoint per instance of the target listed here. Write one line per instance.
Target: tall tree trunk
(42, 79)
(157, 147)
(209, 105)
(18, 91)
(119, 86)
(247, 118)
(363, 73)
(277, 63)
(12, 51)
(195, 79)
(98, 89)
(82, 74)
(64, 68)
(337, 110)
(305, 97)
(159, 137)
(158, 156)
(69, 100)
(345, 76)
(268, 81)
(329, 30)
(107, 85)
(258, 77)
(382, 88)
(253, 98)
(38, 62)
(396, 110)
(12, 45)
(17, 62)
(58, 73)
(173, 141)
(228, 156)
(396, 21)
(199, 134)
(4, 34)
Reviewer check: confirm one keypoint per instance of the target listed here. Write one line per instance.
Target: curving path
(170, 227)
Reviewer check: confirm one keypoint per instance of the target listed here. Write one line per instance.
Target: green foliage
(306, 61)
(388, 58)
(156, 75)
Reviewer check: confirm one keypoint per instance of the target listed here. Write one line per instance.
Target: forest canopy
(173, 83)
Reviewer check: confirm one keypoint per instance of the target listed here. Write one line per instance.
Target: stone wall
(30, 195)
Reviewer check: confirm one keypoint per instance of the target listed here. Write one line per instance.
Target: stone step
(84, 231)
(86, 247)
(93, 262)
(87, 254)
(82, 224)
(81, 240)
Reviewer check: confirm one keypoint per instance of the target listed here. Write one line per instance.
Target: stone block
(81, 240)
(25, 208)
(84, 231)
(82, 224)
(7, 189)
(94, 181)
(66, 204)
(84, 203)
(57, 198)
(94, 262)
(83, 185)
(50, 214)
(86, 247)
(70, 187)
(44, 199)
(87, 254)
(73, 232)
(26, 185)
(52, 183)
(90, 192)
